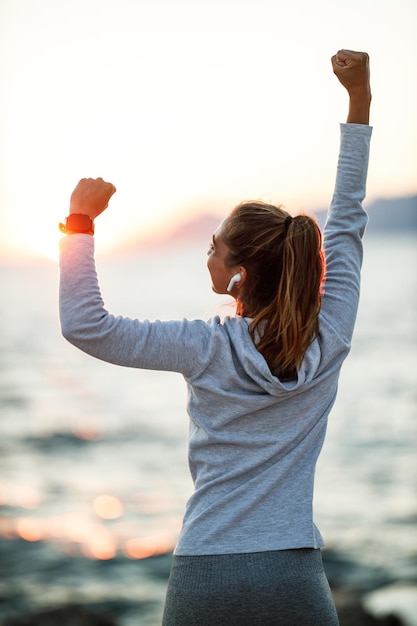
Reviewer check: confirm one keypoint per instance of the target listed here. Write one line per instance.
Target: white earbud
(235, 279)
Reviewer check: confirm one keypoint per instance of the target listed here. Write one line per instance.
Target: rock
(399, 599)
(64, 616)
(357, 616)
(352, 611)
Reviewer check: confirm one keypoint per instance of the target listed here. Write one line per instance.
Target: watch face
(80, 222)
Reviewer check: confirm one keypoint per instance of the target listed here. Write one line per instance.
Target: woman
(261, 385)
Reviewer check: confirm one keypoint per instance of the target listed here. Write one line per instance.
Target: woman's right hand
(352, 70)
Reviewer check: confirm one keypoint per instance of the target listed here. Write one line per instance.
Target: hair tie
(287, 222)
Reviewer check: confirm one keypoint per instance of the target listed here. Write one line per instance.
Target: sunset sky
(191, 106)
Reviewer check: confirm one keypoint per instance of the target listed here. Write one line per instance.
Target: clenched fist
(352, 70)
(91, 196)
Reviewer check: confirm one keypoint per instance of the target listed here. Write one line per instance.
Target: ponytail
(285, 266)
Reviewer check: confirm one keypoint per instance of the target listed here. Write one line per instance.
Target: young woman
(261, 385)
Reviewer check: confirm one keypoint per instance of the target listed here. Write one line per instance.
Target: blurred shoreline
(41, 587)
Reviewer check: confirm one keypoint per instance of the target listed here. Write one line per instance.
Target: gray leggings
(279, 588)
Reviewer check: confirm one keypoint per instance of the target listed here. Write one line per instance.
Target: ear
(242, 271)
(236, 280)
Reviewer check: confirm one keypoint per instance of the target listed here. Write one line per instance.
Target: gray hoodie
(253, 440)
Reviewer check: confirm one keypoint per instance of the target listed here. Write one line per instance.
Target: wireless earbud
(235, 279)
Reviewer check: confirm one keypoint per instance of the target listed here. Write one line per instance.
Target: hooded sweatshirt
(253, 440)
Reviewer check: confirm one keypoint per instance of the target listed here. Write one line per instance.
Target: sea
(93, 457)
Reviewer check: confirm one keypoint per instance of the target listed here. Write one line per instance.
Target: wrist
(360, 98)
(359, 107)
(77, 223)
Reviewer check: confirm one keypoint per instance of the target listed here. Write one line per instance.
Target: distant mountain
(199, 230)
(385, 216)
(393, 215)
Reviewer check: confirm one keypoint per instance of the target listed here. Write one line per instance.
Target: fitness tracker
(77, 223)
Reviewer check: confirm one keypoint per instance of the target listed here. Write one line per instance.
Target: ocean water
(93, 468)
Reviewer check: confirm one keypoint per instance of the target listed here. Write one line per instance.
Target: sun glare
(43, 243)
(34, 242)
(48, 247)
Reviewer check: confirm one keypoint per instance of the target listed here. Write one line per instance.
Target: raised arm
(347, 219)
(352, 69)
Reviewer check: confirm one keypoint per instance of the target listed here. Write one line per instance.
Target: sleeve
(180, 346)
(343, 232)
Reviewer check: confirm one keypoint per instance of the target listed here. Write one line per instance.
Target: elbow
(74, 330)
(70, 332)
(78, 325)
(80, 338)
(83, 334)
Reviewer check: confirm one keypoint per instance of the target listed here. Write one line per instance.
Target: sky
(191, 106)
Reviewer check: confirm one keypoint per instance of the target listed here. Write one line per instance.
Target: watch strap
(77, 223)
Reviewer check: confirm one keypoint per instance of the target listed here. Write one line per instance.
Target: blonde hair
(285, 268)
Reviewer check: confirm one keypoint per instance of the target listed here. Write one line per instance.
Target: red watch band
(77, 223)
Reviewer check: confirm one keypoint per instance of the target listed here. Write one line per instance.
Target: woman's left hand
(91, 196)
